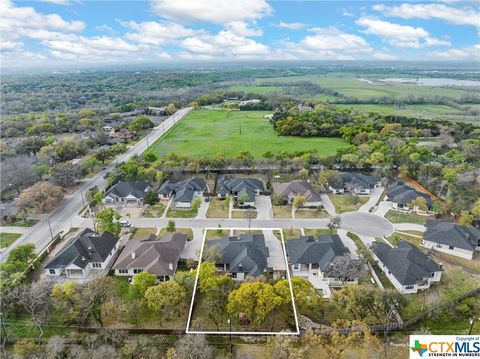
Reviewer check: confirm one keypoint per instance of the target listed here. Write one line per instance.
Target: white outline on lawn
(188, 331)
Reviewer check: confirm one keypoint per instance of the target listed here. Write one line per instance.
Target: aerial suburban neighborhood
(254, 179)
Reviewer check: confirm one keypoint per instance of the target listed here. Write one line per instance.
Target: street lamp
(229, 321)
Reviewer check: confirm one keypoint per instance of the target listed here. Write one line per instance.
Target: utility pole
(50, 227)
(83, 199)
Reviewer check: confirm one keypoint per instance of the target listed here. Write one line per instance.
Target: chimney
(170, 266)
(133, 255)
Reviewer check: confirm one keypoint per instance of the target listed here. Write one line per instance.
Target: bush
(150, 198)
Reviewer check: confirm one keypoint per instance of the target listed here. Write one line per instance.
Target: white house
(87, 252)
(407, 267)
(184, 192)
(238, 188)
(451, 238)
(127, 192)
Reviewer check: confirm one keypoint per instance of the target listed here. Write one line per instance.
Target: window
(296, 266)
(234, 275)
(438, 245)
(136, 271)
(52, 271)
(96, 265)
(451, 248)
(123, 271)
(410, 286)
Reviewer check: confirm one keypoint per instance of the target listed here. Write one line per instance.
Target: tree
(171, 226)
(103, 155)
(193, 346)
(150, 157)
(108, 220)
(65, 299)
(197, 202)
(42, 196)
(335, 223)
(304, 293)
(30, 145)
(94, 294)
(299, 201)
(65, 174)
(165, 297)
(465, 219)
(141, 282)
(150, 198)
(421, 203)
(90, 163)
(283, 347)
(170, 109)
(33, 298)
(475, 211)
(268, 155)
(345, 269)
(19, 260)
(243, 198)
(17, 172)
(303, 173)
(331, 178)
(86, 113)
(140, 123)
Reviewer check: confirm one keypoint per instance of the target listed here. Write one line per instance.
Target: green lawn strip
(291, 233)
(318, 231)
(238, 232)
(181, 213)
(142, 233)
(155, 211)
(282, 212)
(304, 213)
(187, 231)
(400, 217)
(211, 132)
(454, 283)
(216, 233)
(383, 278)
(20, 223)
(396, 237)
(344, 203)
(363, 251)
(218, 208)
(7, 239)
(243, 214)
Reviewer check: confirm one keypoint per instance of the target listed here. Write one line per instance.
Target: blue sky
(170, 31)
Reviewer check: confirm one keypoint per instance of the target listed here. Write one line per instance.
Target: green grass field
(211, 132)
(7, 239)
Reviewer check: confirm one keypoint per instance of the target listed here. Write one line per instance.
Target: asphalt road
(61, 218)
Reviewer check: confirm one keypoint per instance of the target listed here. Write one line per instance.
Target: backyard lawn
(7, 239)
(211, 132)
(400, 217)
(217, 208)
(346, 203)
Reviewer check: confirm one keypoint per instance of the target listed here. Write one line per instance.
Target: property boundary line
(188, 331)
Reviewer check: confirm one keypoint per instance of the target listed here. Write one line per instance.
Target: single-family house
(451, 238)
(108, 128)
(125, 136)
(289, 190)
(127, 192)
(84, 254)
(184, 192)
(242, 256)
(355, 183)
(312, 259)
(402, 195)
(407, 267)
(159, 257)
(246, 188)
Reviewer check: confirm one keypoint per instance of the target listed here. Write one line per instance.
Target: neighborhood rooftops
(406, 262)
(289, 190)
(322, 250)
(124, 189)
(87, 247)
(247, 254)
(159, 257)
(402, 194)
(358, 180)
(452, 234)
(239, 186)
(184, 190)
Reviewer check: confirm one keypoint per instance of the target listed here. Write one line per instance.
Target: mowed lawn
(211, 132)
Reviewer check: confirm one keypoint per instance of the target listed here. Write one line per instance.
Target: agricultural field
(211, 132)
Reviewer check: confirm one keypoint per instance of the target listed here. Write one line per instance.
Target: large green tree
(108, 220)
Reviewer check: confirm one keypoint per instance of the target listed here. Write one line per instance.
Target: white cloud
(291, 25)
(471, 53)
(383, 56)
(400, 35)
(225, 44)
(453, 15)
(213, 11)
(241, 28)
(329, 43)
(58, 2)
(153, 33)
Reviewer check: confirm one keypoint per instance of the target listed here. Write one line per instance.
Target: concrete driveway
(366, 224)
(409, 227)
(264, 207)
(328, 205)
(276, 258)
(383, 208)
(202, 211)
(348, 242)
(375, 196)
(192, 249)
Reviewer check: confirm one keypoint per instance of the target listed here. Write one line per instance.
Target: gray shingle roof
(247, 254)
(400, 193)
(321, 250)
(136, 189)
(406, 262)
(159, 257)
(238, 186)
(86, 247)
(291, 189)
(183, 190)
(452, 234)
(358, 180)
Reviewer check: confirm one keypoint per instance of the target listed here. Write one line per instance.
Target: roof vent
(133, 255)
(89, 248)
(83, 258)
(170, 266)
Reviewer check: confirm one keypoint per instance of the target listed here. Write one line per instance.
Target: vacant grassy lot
(143, 233)
(244, 214)
(399, 217)
(181, 213)
(282, 212)
(218, 208)
(305, 213)
(187, 231)
(7, 239)
(155, 211)
(211, 132)
(345, 203)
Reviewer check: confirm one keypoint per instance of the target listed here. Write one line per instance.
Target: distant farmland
(210, 132)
